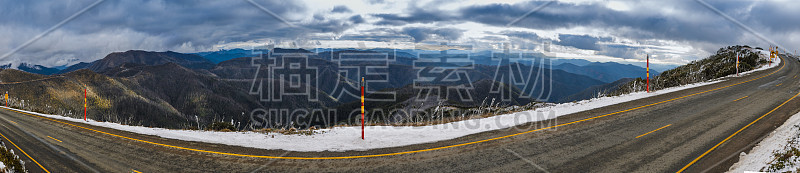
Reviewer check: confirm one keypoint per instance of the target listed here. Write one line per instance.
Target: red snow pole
(648, 73)
(362, 108)
(85, 105)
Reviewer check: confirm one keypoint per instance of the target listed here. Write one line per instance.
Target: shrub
(221, 126)
(10, 160)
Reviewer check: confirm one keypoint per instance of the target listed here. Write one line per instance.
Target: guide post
(362, 108)
(648, 73)
(85, 105)
(737, 64)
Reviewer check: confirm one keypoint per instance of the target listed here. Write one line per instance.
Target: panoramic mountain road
(678, 131)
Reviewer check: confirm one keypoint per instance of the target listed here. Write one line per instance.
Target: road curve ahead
(693, 130)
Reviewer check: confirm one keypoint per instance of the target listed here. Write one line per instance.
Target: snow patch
(762, 154)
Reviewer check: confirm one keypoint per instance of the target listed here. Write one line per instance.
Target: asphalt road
(664, 133)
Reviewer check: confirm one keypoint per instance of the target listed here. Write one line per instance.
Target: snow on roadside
(348, 138)
(775, 63)
(761, 156)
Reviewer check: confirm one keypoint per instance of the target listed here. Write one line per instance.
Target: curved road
(690, 130)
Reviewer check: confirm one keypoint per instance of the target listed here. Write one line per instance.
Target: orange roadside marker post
(362, 108)
(85, 105)
(771, 53)
(737, 63)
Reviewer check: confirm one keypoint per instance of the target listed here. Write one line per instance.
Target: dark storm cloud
(341, 9)
(422, 33)
(357, 19)
(693, 22)
(319, 16)
(152, 25)
(776, 16)
(216, 20)
(377, 1)
(182, 24)
(582, 41)
(375, 37)
(174, 19)
(522, 35)
(417, 15)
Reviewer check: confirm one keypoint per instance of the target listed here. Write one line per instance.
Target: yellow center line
(740, 98)
(779, 84)
(135, 171)
(23, 152)
(654, 130)
(734, 133)
(396, 153)
(54, 138)
(12, 122)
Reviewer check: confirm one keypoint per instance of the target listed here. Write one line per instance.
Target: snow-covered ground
(349, 138)
(779, 141)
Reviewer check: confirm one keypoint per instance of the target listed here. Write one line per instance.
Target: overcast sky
(673, 32)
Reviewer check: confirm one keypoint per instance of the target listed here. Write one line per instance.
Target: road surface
(679, 131)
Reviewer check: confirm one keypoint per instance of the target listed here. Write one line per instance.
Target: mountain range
(176, 90)
(224, 55)
(606, 71)
(31, 68)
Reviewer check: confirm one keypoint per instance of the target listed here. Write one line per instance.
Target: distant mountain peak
(147, 58)
(31, 68)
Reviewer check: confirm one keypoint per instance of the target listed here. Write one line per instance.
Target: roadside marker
(85, 106)
(737, 63)
(362, 108)
(648, 73)
(6, 98)
(773, 53)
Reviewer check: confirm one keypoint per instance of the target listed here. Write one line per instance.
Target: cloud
(668, 20)
(190, 26)
(622, 51)
(151, 25)
(341, 9)
(582, 41)
(416, 15)
(685, 24)
(522, 35)
(357, 19)
(376, 1)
